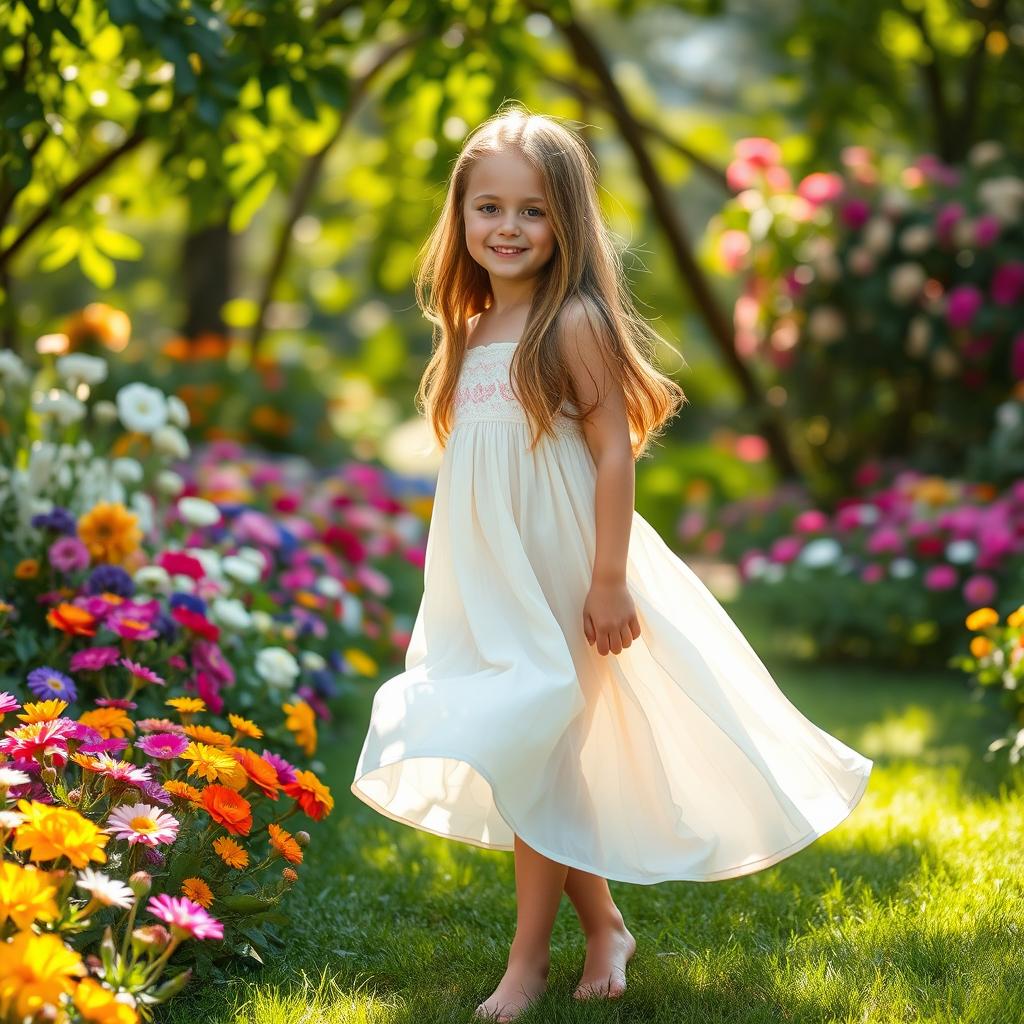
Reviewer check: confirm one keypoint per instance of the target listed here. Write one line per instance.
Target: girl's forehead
(504, 176)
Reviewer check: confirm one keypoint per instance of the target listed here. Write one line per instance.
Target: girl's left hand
(609, 617)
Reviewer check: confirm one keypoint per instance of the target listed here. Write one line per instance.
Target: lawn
(911, 910)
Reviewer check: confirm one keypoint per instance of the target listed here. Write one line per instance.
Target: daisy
(285, 770)
(312, 796)
(47, 683)
(38, 740)
(186, 705)
(183, 791)
(186, 918)
(205, 734)
(108, 891)
(162, 745)
(10, 777)
(142, 408)
(92, 659)
(110, 532)
(212, 763)
(143, 674)
(119, 771)
(7, 703)
(51, 832)
(43, 711)
(245, 727)
(108, 722)
(130, 628)
(142, 823)
(159, 725)
(230, 852)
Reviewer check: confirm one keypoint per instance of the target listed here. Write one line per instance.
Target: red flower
(177, 563)
(195, 622)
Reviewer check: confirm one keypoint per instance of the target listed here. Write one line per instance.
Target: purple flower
(114, 745)
(986, 230)
(979, 590)
(940, 577)
(92, 659)
(1008, 284)
(68, 554)
(285, 772)
(163, 745)
(964, 301)
(110, 579)
(59, 520)
(146, 675)
(208, 657)
(49, 684)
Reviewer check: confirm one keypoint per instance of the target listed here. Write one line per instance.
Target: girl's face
(506, 209)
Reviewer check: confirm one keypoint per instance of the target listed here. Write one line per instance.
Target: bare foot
(604, 971)
(521, 984)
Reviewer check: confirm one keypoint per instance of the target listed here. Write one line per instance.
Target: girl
(511, 728)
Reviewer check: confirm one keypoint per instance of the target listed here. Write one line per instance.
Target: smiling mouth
(507, 250)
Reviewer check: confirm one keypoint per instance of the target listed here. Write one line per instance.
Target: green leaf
(117, 245)
(96, 267)
(251, 200)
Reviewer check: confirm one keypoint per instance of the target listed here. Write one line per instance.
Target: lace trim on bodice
(484, 393)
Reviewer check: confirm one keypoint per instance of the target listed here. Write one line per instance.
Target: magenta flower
(884, 541)
(68, 554)
(8, 702)
(130, 628)
(285, 771)
(820, 187)
(208, 657)
(142, 823)
(92, 659)
(986, 230)
(940, 577)
(785, 549)
(855, 213)
(159, 725)
(117, 770)
(964, 301)
(140, 672)
(1008, 284)
(947, 217)
(980, 590)
(116, 702)
(872, 573)
(810, 521)
(185, 917)
(163, 745)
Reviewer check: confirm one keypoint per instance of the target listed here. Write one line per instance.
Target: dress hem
(739, 871)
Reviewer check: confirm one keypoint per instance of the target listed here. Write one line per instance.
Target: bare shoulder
(585, 352)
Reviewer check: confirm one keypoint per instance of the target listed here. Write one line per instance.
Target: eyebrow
(490, 195)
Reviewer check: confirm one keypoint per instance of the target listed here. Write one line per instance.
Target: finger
(626, 637)
(588, 629)
(634, 625)
(602, 643)
(614, 641)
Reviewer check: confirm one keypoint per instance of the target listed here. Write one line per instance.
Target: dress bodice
(484, 393)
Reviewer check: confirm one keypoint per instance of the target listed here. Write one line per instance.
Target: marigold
(198, 891)
(228, 808)
(1016, 618)
(110, 723)
(284, 843)
(27, 569)
(36, 970)
(213, 764)
(981, 646)
(230, 852)
(26, 895)
(186, 705)
(245, 727)
(98, 1005)
(71, 619)
(301, 722)
(110, 532)
(260, 773)
(51, 832)
(312, 796)
(982, 618)
(183, 791)
(206, 734)
(43, 711)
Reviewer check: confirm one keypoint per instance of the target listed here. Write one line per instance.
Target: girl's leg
(539, 885)
(609, 942)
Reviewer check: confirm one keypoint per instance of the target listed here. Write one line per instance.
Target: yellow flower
(27, 569)
(361, 661)
(1015, 619)
(35, 970)
(183, 790)
(214, 765)
(43, 711)
(196, 889)
(981, 646)
(110, 532)
(982, 618)
(302, 723)
(26, 895)
(230, 852)
(97, 1004)
(186, 705)
(245, 727)
(205, 734)
(110, 723)
(51, 832)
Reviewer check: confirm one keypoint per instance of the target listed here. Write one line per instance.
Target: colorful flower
(261, 774)
(196, 889)
(186, 705)
(213, 764)
(185, 917)
(230, 852)
(285, 770)
(142, 823)
(110, 532)
(143, 674)
(92, 659)
(195, 622)
(112, 768)
(43, 711)
(47, 682)
(312, 796)
(206, 734)
(125, 624)
(283, 842)
(38, 740)
(51, 832)
(68, 554)
(228, 808)
(26, 895)
(245, 727)
(183, 791)
(72, 620)
(162, 745)
(108, 722)
(98, 1005)
(35, 971)
(27, 569)
(982, 618)
(8, 703)
(159, 725)
(301, 722)
(105, 890)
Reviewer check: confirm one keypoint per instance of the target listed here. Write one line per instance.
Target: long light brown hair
(585, 264)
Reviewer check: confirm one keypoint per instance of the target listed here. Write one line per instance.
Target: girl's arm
(609, 618)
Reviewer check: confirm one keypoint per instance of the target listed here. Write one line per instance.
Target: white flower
(1003, 197)
(351, 612)
(105, 412)
(12, 777)
(820, 552)
(172, 442)
(961, 552)
(985, 152)
(241, 570)
(11, 819)
(901, 568)
(916, 239)
(142, 408)
(55, 402)
(860, 260)
(169, 483)
(878, 235)
(262, 622)
(12, 370)
(277, 667)
(312, 661)
(1008, 415)
(919, 333)
(108, 891)
(826, 324)
(84, 449)
(253, 555)
(177, 412)
(905, 282)
(127, 470)
(198, 511)
(230, 613)
(328, 586)
(185, 584)
(154, 579)
(79, 368)
(773, 573)
(142, 505)
(209, 560)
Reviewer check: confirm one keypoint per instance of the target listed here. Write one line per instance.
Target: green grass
(911, 910)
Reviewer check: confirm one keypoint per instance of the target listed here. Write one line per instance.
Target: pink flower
(129, 627)
(163, 745)
(142, 823)
(92, 659)
(885, 540)
(946, 219)
(979, 590)
(785, 549)
(159, 725)
(185, 917)
(251, 527)
(140, 672)
(820, 187)
(810, 521)
(68, 554)
(872, 573)
(208, 689)
(116, 702)
(1008, 284)
(940, 577)
(986, 230)
(964, 301)
(177, 563)
(208, 657)
(118, 771)
(8, 703)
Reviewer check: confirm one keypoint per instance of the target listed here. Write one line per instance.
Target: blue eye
(485, 207)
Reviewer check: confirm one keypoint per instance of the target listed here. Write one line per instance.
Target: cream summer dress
(679, 758)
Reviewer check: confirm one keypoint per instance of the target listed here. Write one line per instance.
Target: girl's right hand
(609, 617)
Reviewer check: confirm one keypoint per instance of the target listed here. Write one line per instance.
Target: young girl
(511, 727)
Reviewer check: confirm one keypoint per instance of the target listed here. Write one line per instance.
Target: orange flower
(183, 791)
(245, 727)
(981, 618)
(186, 705)
(230, 852)
(27, 569)
(43, 711)
(228, 808)
(110, 723)
(205, 734)
(301, 721)
(69, 618)
(110, 532)
(260, 773)
(196, 889)
(282, 842)
(290, 875)
(981, 646)
(313, 797)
